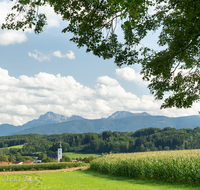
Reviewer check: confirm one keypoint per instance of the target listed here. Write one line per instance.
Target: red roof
(28, 162)
(17, 162)
(4, 163)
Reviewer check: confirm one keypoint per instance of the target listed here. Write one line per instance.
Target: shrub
(48, 159)
(88, 159)
(65, 159)
(43, 166)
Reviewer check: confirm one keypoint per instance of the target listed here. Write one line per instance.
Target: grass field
(79, 155)
(82, 180)
(17, 146)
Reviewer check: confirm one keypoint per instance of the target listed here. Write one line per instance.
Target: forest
(148, 139)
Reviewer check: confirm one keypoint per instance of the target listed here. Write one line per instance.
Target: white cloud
(8, 37)
(25, 98)
(11, 37)
(69, 55)
(39, 56)
(108, 81)
(53, 19)
(129, 74)
(5, 7)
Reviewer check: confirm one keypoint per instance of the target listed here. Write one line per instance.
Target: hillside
(128, 124)
(148, 139)
(48, 118)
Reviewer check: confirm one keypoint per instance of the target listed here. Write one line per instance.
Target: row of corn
(169, 166)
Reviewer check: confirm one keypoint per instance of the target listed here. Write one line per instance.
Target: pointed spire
(59, 146)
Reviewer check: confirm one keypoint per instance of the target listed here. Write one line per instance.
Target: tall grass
(169, 166)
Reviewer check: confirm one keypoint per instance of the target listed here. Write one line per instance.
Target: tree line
(148, 139)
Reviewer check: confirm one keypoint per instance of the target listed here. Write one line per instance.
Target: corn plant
(169, 166)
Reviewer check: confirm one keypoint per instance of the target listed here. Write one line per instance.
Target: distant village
(59, 157)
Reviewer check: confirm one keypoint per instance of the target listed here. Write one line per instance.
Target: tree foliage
(148, 139)
(65, 159)
(48, 159)
(174, 70)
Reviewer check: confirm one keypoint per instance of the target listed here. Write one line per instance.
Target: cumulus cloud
(129, 74)
(25, 98)
(8, 37)
(39, 56)
(108, 81)
(69, 55)
(53, 19)
(11, 37)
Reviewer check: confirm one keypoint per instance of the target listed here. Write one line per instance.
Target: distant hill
(6, 129)
(124, 114)
(47, 118)
(127, 124)
(123, 121)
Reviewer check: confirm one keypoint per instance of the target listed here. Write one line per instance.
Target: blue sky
(47, 72)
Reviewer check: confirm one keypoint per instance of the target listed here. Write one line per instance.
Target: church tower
(59, 151)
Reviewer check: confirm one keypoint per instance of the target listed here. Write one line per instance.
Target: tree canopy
(173, 72)
(146, 139)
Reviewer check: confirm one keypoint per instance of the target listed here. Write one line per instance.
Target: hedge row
(52, 166)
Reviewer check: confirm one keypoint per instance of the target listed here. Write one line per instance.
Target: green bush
(65, 159)
(79, 159)
(50, 166)
(88, 159)
(48, 159)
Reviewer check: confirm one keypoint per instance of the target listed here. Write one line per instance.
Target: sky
(47, 72)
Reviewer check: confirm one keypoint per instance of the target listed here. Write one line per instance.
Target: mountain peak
(124, 114)
(50, 116)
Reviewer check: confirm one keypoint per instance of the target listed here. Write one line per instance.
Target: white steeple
(59, 151)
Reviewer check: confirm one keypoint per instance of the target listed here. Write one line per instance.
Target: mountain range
(123, 121)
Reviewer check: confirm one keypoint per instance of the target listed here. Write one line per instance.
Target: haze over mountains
(123, 121)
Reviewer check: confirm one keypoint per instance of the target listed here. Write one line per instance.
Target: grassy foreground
(79, 155)
(82, 180)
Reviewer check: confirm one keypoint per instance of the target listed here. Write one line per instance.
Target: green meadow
(79, 155)
(82, 180)
(16, 146)
(149, 163)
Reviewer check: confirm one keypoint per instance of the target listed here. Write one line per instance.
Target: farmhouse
(28, 162)
(37, 161)
(4, 163)
(17, 162)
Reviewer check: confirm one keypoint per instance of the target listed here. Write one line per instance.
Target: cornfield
(181, 166)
